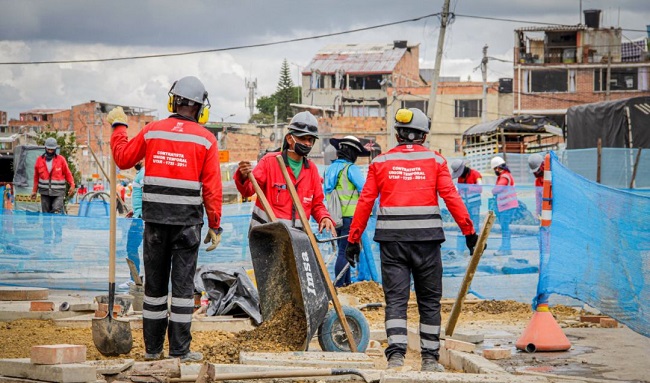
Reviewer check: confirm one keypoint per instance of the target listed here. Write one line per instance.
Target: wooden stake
(636, 165)
(469, 274)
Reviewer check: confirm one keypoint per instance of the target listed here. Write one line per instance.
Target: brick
(58, 354)
(11, 293)
(592, 318)
(496, 353)
(101, 314)
(117, 309)
(608, 323)
(459, 345)
(41, 306)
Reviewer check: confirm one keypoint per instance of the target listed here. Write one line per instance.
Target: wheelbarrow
(287, 272)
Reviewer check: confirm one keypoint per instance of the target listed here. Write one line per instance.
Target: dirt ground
(280, 334)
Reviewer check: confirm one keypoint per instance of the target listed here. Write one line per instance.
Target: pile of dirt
(366, 292)
(286, 331)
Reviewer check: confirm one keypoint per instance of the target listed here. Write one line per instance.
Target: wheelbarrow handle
(331, 239)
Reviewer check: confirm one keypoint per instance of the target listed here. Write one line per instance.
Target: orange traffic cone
(543, 333)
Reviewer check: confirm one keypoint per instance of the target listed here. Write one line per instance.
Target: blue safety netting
(599, 248)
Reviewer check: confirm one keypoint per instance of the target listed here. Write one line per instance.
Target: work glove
(214, 236)
(117, 117)
(352, 253)
(470, 241)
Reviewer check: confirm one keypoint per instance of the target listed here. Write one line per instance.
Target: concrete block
(413, 339)
(111, 367)
(374, 375)
(308, 359)
(59, 373)
(58, 354)
(378, 335)
(13, 293)
(225, 323)
(467, 336)
(83, 307)
(497, 353)
(41, 306)
(417, 376)
(348, 300)
(608, 323)
(452, 344)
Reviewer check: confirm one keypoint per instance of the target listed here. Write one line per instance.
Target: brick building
(557, 67)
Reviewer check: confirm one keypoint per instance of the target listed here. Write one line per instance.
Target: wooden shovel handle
(260, 194)
(319, 257)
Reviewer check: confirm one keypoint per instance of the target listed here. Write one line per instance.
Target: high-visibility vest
(348, 193)
(507, 198)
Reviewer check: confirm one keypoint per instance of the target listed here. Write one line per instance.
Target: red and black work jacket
(183, 173)
(539, 189)
(505, 192)
(269, 176)
(52, 183)
(469, 188)
(408, 180)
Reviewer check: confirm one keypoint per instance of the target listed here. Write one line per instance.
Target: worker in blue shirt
(346, 177)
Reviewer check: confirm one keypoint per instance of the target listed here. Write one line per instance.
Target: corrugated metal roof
(356, 59)
(553, 28)
(43, 111)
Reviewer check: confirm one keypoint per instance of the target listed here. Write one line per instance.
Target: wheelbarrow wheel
(331, 336)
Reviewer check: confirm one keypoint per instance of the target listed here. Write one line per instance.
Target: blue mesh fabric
(599, 248)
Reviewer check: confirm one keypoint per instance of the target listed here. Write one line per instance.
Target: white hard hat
(457, 168)
(496, 162)
(535, 161)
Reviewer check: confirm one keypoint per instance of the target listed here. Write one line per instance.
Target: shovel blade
(112, 337)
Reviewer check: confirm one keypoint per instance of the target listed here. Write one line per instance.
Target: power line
(223, 49)
(533, 22)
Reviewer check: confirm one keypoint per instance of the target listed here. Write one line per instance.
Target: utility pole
(484, 72)
(444, 18)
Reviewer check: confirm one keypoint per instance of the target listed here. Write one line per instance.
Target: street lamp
(227, 117)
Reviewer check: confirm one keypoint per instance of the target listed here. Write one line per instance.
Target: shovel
(112, 336)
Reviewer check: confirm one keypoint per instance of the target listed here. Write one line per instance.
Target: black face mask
(49, 156)
(300, 149)
(138, 167)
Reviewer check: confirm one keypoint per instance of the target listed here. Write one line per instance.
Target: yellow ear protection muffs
(204, 112)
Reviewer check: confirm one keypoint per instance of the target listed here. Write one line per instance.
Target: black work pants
(169, 250)
(400, 260)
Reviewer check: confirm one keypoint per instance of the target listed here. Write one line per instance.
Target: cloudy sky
(68, 30)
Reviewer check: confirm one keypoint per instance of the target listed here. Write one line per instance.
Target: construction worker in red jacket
(298, 142)
(507, 202)
(408, 180)
(470, 189)
(183, 176)
(51, 172)
(536, 165)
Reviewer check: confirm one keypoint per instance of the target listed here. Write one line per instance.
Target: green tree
(68, 149)
(285, 93)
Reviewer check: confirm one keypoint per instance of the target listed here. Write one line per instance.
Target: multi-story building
(557, 67)
(353, 79)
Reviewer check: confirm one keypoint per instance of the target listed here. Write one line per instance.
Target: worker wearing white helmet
(506, 201)
(470, 189)
(536, 165)
(346, 178)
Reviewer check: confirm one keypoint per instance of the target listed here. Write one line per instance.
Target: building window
(367, 111)
(546, 81)
(457, 145)
(620, 79)
(468, 108)
(365, 82)
(420, 104)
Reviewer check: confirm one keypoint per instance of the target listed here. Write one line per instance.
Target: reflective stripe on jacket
(270, 179)
(52, 183)
(470, 188)
(183, 173)
(505, 192)
(408, 180)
